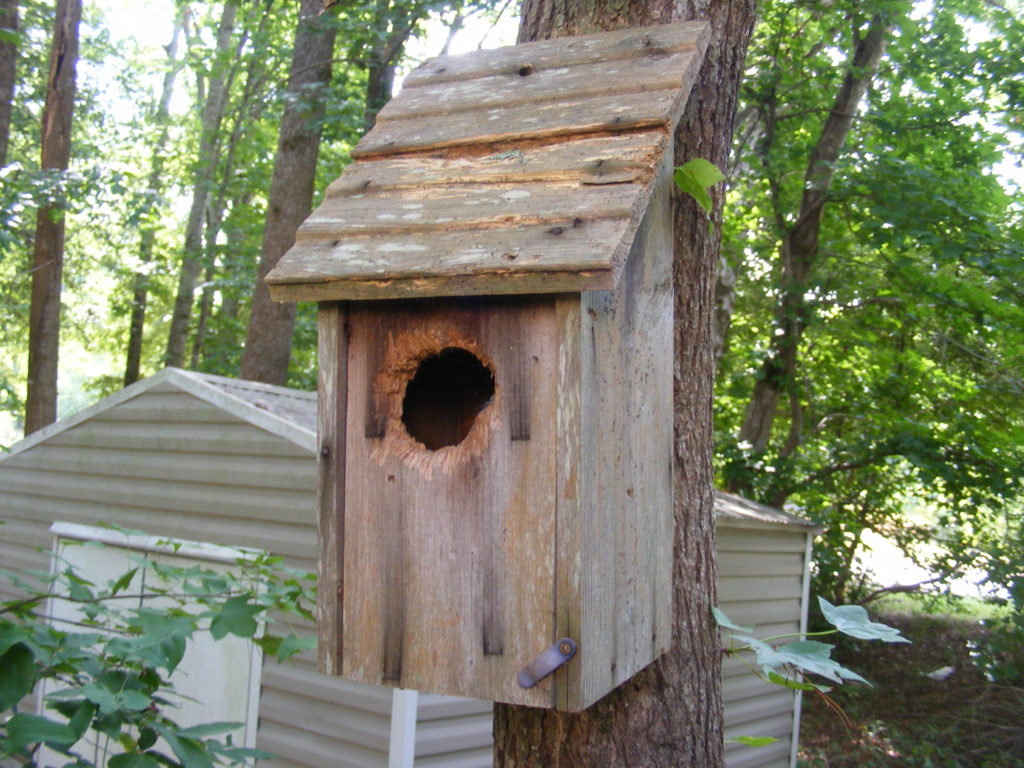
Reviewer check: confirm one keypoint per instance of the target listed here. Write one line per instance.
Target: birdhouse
(495, 419)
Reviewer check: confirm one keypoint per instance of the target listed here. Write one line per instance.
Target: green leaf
(236, 618)
(796, 685)
(853, 620)
(695, 177)
(191, 753)
(10, 634)
(80, 720)
(725, 621)
(206, 730)
(755, 741)
(132, 760)
(147, 738)
(806, 655)
(24, 729)
(17, 675)
(123, 582)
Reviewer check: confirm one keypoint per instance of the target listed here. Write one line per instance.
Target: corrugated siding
(453, 732)
(170, 464)
(760, 582)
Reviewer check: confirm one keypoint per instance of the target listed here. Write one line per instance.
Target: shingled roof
(524, 169)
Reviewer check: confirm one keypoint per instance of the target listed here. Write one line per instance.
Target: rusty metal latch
(547, 662)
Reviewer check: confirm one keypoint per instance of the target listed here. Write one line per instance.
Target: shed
(229, 462)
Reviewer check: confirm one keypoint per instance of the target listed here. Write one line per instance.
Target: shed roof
(287, 413)
(738, 510)
(524, 169)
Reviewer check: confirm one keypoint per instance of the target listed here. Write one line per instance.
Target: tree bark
(206, 166)
(8, 72)
(799, 249)
(48, 256)
(269, 334)
(154, 188)
(395, 22)
(671, 713)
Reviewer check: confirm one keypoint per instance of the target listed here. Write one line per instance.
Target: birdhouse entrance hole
(444, 396)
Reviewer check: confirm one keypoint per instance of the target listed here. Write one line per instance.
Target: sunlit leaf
(853, 620)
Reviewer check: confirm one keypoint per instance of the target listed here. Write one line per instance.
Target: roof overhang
(524, 169)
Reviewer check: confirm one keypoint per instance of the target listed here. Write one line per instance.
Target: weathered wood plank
(657, 70)
(572, 487)
(557, 245)
(608, 159)
(332, 412)
(548, 54)
(491, 284)
(566, 117)
(626, 389)
(470, 526)
(416, 215)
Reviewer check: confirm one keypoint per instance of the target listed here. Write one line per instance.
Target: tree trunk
(395, 22)
(140, 290)
(206, 165)
(8, 71)
(671, 713)
(269, 336)
(246, 112)
(799, 250)
(48, 257)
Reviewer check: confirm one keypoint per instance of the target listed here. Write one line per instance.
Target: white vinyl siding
(169, 463)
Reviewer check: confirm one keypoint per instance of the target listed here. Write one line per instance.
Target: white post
(402, 750)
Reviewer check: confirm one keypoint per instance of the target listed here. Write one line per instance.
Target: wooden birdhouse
(494, 279)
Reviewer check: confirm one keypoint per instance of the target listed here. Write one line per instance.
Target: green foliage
(695, 177)
(797, 664)
(109, 673)
(902, 416)
(999, 653)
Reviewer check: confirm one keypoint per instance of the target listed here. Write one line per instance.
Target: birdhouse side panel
(449, 505)
(627, 458)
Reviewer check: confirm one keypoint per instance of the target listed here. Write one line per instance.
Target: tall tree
(154, 191)
(801, 240)
(217, 86)
(269, 336)
(48, 256)
(8, 70)
(872, 371)
(671, 713)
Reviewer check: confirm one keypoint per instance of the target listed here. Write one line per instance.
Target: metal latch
(547, 662)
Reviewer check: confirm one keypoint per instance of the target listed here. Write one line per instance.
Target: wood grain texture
(449, 554)
(475, 177)
(551, 54)
(402, 215)
(626, 537)
(332, 385)
(436, 259)
(528, 84)
(608, 158)
(566, 118)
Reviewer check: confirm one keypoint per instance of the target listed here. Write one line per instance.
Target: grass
(907, 718)
(950, 606)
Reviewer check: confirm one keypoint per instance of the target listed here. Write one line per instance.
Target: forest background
(870, 307)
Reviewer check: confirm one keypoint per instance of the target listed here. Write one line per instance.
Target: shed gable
(524, 169)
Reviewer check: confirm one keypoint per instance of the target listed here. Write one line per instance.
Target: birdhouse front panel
(449, 552)
(494, 279)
